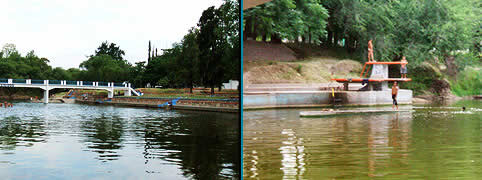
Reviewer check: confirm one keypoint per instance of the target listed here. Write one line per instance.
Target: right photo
(361, 89)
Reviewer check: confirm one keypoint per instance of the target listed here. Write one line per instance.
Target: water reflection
(104, 136)
(15, 132)
(405, 145)
(105, 142)
(211, 140)
(293, 155)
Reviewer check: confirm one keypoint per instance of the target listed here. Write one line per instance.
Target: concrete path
(295, 87)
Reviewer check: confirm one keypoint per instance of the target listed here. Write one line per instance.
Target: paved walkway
(295, 87)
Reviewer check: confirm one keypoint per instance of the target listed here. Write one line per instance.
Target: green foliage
(433, 31)
(298, 68)
(104, 68)
(14, 65)
(111, 49)
(423, 77)
(288, 19)
(469, 82)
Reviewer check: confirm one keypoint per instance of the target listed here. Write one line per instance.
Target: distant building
(232, 84)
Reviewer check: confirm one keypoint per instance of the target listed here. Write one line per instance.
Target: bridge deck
(48, 85)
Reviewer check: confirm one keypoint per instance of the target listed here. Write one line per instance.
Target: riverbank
(212, 105)
(305, 99)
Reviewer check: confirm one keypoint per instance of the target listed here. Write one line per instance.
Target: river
(73, 141)
(431, 142)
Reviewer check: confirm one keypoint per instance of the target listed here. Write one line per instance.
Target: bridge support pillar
(127, 92)
(46, 96)
(110, 94)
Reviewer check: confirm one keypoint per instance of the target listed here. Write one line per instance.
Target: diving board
(378, 79)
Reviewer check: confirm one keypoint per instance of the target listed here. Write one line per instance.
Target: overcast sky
(65, 32)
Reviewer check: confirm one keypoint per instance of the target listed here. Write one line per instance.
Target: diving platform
(378, 80)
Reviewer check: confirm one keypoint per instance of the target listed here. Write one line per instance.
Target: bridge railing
(119, 85)
(37, 81)
(102, 84)
(71, 82)
(55, 82)
(19, 81)
(63, 82)
(87, 83)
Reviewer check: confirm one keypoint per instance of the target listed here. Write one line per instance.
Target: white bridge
(48, 85)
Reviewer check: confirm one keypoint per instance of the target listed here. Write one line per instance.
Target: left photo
(120, 89)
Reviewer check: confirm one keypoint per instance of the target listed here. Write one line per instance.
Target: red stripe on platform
(370, 80)
(395, 62)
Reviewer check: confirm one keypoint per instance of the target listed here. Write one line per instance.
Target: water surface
(72, 141)
(433, 142)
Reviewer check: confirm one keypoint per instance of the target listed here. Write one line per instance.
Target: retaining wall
(323, 98)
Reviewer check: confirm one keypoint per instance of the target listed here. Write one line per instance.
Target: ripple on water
(72, 139)
(429, 143)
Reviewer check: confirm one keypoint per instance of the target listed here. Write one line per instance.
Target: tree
(136, 74)
(149, 52)
(189, 59)
(8, 50)
(287, 19)
(105, 68)
(210, 48)
(110, 49)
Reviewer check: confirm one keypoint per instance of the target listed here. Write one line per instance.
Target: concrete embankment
(214, 105)
(307, 96)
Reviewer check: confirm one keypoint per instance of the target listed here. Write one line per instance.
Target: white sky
(65, 32)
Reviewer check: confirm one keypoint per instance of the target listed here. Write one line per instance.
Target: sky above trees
(65, 32)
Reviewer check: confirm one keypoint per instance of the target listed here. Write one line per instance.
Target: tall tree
(149, 52)
(110, 49)
(189, 58)
(210, 47)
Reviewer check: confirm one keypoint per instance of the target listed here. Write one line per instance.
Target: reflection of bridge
(48, 85)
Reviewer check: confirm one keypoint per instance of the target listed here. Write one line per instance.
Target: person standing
(403, 67)
(370, 51)
(394, 95)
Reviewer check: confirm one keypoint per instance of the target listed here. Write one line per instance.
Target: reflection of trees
(104, 136)
(15, 131)
(205, 145)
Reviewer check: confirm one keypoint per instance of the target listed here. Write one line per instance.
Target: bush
(423, 77)
(468, 83)
(298, 68)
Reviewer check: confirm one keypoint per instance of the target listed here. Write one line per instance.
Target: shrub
(298, 68)
(468, 83)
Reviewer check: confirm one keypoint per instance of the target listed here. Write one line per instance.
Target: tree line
(208, 55)
(417, 29)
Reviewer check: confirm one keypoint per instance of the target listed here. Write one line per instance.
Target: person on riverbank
(370, 51)
(394, 95)
(403, 67)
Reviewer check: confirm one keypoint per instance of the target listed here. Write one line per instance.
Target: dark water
(429, 143)
(71, 141)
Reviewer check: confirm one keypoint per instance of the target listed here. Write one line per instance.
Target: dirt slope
(261, 51)
(313, 70)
